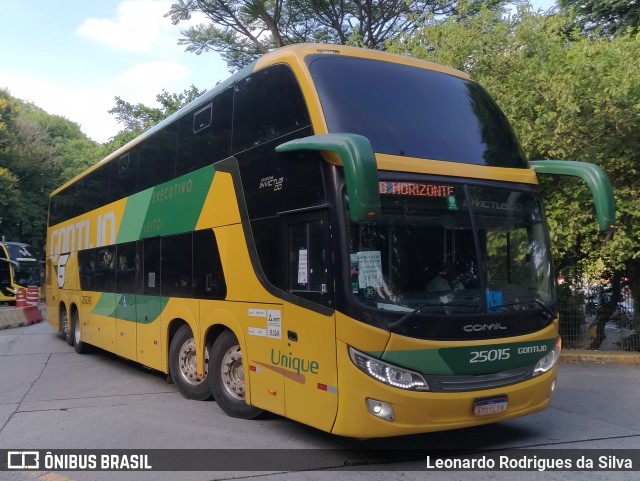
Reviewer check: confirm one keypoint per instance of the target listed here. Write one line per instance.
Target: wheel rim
(187, 361)
(65, 324)
(232, 374)
(76, 331)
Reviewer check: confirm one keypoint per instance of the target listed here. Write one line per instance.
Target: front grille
(479, 382)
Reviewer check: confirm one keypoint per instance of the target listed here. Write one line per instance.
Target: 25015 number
(490, 355)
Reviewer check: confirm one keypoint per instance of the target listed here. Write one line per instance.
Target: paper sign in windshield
(369, 269)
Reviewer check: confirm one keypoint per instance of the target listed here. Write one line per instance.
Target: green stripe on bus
(132, 308)
(169, 208)
(470, 360)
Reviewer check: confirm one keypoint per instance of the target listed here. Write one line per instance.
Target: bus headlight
(547, 362)
(388, 373)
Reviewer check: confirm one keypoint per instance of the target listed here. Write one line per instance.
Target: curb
(602, 357)
(20, 317)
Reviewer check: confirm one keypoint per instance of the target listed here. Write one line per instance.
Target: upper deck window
(414, 112)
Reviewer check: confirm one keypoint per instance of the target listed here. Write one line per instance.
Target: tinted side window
(277, 182)
(104, 274)
(204, 134)
(124, 172)
(157, 158)
(93, 192)
(86, 266)
(126, 268)
(267, 105)
(267, 239)
(87, 194)
(177, 275)
(208, 277)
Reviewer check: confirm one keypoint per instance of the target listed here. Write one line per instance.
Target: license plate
(492, 405)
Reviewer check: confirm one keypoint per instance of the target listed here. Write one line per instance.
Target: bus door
(308, 354)
(126, 299)
(100, 330)
(149, 304)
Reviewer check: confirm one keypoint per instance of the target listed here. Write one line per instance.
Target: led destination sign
(413, 189)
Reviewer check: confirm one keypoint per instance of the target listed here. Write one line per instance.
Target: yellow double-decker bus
(348, 238)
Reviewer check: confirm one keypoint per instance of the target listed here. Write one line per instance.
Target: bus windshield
(26, 268)
(414, 112)
(446, 248)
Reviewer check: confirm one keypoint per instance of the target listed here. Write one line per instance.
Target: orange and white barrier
(27, 311)
(32, 296)
(21, 298)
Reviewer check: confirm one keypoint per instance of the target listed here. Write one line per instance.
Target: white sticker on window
(302, 267)
(370, 269)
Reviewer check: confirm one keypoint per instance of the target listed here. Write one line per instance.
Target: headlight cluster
(388, 373)
(547, 362)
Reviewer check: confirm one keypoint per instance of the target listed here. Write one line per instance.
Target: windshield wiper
(541, 304)
(409, 314)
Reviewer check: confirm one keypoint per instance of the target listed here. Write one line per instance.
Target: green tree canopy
(567, 97)
(605, 17)
(242, 30)
(139, 117)
(38, 152)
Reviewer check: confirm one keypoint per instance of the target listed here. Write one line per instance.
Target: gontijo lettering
(75, 237)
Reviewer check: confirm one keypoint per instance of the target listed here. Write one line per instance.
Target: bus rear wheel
(226, 377)
(182, 366)
(65, 328)
(78, 345)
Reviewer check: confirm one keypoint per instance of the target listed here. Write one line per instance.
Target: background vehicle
(271, 245)
(18, 269)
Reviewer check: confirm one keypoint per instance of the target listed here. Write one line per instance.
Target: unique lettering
(296, 364)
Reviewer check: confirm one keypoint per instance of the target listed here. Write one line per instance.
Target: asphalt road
(53, 398)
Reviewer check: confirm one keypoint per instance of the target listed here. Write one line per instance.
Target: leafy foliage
(610, 17)
(38, 152)
(242, 30)
(138, 118)
(567, 97)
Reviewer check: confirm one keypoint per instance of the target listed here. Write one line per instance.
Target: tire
(182, 366)
(79, 346)
(226, 377)
(65, 326)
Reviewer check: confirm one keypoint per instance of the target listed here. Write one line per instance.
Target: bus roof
(292, 54)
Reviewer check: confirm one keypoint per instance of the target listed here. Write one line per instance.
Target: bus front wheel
(226, 377)
(182, 366)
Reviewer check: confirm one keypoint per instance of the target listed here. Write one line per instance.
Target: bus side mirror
(360, 168)
(596, 180)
